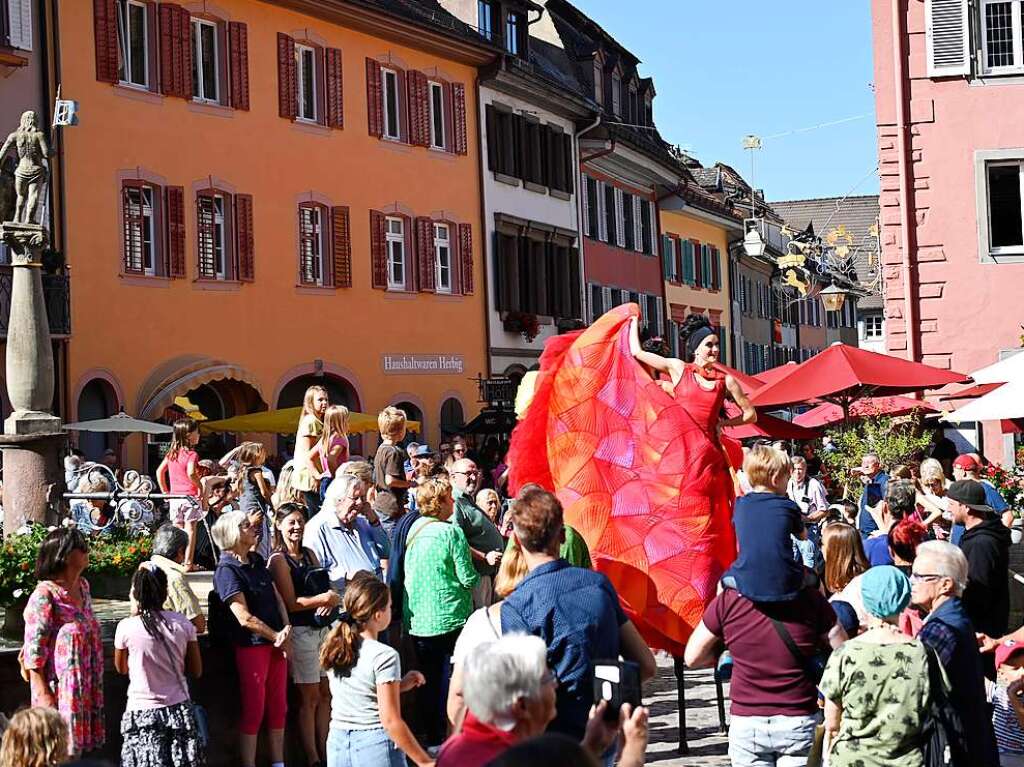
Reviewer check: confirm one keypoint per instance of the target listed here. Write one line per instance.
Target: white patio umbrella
(1005, 403)
(121, 423)
(1009, 369)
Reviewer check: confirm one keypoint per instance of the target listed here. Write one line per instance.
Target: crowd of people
(418, 612)
(423, 615)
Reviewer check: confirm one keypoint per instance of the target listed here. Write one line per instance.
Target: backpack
(943, 740)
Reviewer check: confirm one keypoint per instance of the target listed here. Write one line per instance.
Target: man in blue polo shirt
(875, 482)
(575, 611)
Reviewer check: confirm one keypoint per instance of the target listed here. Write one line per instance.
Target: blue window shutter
(668, 258)
(687, 247)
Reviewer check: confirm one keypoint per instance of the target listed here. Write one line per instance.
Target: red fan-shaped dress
(640, 474)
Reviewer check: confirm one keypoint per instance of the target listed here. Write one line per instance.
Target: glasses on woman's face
(924, 577)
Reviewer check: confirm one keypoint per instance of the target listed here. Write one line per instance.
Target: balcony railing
(56, 294)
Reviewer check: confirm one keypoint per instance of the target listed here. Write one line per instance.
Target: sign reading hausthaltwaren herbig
(422, 364)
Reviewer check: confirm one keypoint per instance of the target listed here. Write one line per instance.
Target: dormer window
(634, 104)
(616, 94)
(598, 81)
(485, 19)
(515, 24)
(648, 109)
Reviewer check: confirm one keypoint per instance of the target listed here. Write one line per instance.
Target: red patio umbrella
(842, 374)
(774, 374)
(828, 412)
(748, 383)
(972, 392)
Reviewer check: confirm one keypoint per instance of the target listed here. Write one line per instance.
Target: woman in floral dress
(63, 650)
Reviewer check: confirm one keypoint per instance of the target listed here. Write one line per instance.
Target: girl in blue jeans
(367, 729)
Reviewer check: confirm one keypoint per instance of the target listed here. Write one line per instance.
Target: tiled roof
(859, 216)
(428, 13)
(709, 178)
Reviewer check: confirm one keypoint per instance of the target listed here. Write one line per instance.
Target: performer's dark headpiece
(696, 328)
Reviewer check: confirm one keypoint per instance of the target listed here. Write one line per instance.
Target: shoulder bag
(943, 739)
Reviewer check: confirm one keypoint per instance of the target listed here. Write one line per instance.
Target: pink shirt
(177, 472)
(155, 678)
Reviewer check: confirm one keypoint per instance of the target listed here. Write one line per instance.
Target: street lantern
(833, 297)
(753, 245)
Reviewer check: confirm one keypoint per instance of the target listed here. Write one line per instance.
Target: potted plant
(523, 323)
(18, 575)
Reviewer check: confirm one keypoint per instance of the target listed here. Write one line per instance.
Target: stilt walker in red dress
(641, 472)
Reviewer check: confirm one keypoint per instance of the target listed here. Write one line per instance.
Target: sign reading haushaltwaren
(422, 364)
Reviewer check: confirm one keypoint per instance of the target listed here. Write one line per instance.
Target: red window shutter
(238, 45)
(461, 143)
(104, 17)
(378, 251)
(425, 253)
(287, 85)
(133, 223)
(175, 51)
(466, 257)
(175, 231)
(335, 90)
(374, 102)
(412, 276)
(244, 236)
(419, 108)
(342, 247)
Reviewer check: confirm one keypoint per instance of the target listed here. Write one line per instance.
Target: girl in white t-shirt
(154, 647)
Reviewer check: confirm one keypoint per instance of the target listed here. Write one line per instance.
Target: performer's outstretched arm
(662, 364)
(748, 414)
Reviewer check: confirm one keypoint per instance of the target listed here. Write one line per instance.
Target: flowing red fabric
(638, 473)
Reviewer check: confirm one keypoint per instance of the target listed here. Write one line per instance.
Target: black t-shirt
(253, 581)
(390, 462)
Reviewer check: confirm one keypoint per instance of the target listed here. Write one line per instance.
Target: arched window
(97, 400)
(453, 419)
(412, 413)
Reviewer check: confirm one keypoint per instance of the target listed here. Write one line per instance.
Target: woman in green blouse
(439, 578)
(876, 685)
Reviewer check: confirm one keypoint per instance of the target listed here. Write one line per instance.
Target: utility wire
(816, 127)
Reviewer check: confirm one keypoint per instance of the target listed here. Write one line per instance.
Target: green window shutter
(687, 261)
(668, 256)
(716, 268)
(723, 345)
(705, 259)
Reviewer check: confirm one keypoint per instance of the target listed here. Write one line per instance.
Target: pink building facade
(949, 84)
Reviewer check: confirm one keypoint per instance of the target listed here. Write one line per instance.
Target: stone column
(33, 439)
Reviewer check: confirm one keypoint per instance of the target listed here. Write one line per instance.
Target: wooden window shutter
(947, 37)
(287, 78)
(374, 103)
(716, 268)
(570, 171)
(425, 251)
(238, 46)
(341, 246)
(585, 201)
(698, 264)
(667, 258)
(688, 262)
(175, 218)
(378, 250)
(491, 125)
(466, 258)
(419, 109)
(245, 248)
(334, 83)
(458, 112)
(205, 232)
(575, 284)
(175, 51)
(133, 223)
(104, 18)
(18, 24)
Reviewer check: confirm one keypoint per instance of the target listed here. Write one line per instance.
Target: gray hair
(169, 540)
(498, 674)
(798, 459)
(339, 488)
(225, 532)
(949, 562)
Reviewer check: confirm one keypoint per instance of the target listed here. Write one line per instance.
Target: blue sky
(726, 68)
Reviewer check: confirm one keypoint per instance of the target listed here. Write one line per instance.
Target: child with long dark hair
(179, 473)
(365, 679)
(154, 647)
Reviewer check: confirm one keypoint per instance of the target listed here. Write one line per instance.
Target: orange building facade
(257, 199)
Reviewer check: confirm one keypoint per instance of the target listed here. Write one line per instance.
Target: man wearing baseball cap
(968, 466)
(986, 544)
(1007, 704)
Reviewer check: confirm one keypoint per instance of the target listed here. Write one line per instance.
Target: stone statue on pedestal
(33, 439)
(31, 173)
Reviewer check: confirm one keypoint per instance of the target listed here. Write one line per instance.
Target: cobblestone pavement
(708, 747)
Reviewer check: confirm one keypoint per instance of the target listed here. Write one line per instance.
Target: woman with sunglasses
(63, 650)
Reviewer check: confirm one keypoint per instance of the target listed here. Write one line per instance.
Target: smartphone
(618, 682)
